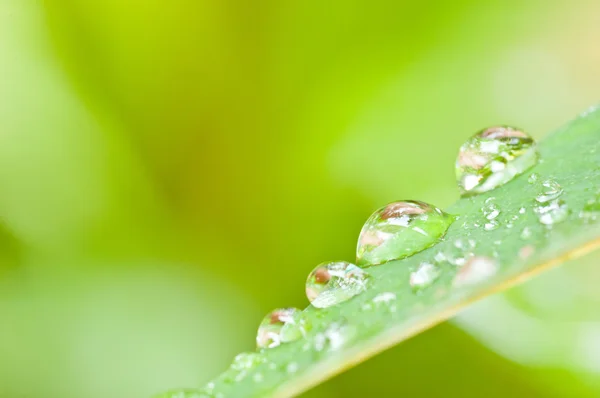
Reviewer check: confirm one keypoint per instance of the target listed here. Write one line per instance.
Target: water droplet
(476, 270)
(336, 336)
(269, 331)
(591, 209)
(334, 282)
(522, 210)
(492, 225)
(424, 276)
(533, 177)
(493, 157)
(242, 364)
(550, 191)
(399, 230)
(387, 299)
(297, 328)
(258, 377)
(526, 251)
(246, 361)
(489, 209)
(291, 368)
(552, 213)
(526, 233)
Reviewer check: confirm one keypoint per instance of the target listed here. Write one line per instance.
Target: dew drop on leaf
(399, 230)
(526, 233)
(334, 282)
(552, 213)
(477, 269)
(493, 157)
(489, 209)
(533, 177)
(492, 225)
(246, 361)
(424, 276)
(550, 190)
(269, 333)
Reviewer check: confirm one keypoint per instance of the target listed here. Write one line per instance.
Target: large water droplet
(399, 230)
(424, 276)
(477, 269)
(269, 333)
(334, 282)
(493, 157)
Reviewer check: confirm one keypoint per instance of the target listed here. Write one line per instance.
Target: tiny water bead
(246, 361)
(269, 333)
(550, 191)
(492, 157)
(476, 270)
(382, 300)
(552, 213)
(334, 282)
(242, 364)
(400, 229)
(424, 276)
(490, 210)
(591, 209)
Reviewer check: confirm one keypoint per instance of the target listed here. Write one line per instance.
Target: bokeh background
(170, 171)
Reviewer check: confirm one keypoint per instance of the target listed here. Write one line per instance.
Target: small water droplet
(533, 177)
(385, 297)
(269, 331)
(550, 191)
(526, 251)
(526, 233)
(242, 364)
(331, 283)
(476, 270)
(492, 225)
(489, 209)
(399, 230)
(522, 210)
(334, 337)
(424, 276)
(591, 209)
(552, 213)
(291, 368)
(246, 361)
(493, 157)
(258, 377)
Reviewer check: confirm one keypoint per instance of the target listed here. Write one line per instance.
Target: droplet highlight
(400, 229)
(493, 157)
(334, 282)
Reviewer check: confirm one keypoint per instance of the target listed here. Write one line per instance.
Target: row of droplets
(490, 158)
(400, 229)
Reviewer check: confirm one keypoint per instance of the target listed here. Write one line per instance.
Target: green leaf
(519, 248)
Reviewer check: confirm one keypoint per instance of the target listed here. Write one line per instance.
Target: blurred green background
(172, 170)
